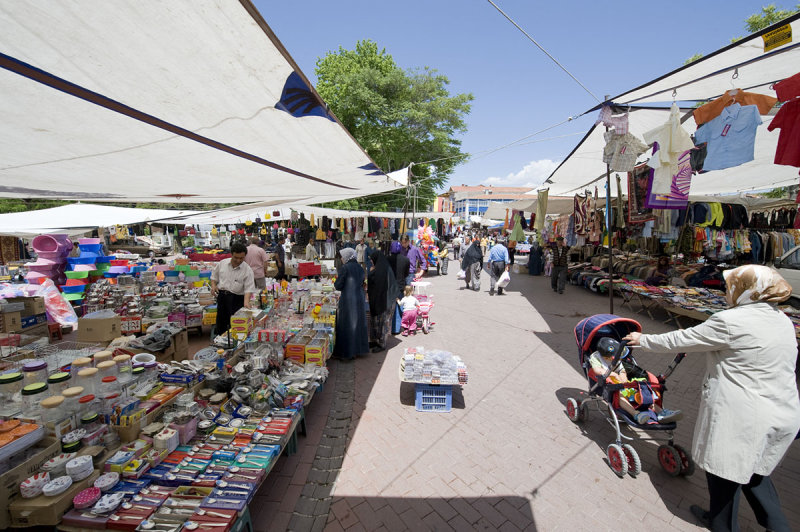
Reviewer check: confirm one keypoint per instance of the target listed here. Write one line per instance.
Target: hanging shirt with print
(788, 120)
(621, 151)
(731, 137)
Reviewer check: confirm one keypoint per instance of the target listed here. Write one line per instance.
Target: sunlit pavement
(506, 457)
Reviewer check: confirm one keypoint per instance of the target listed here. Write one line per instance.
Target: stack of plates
(86, 498)
(73, 436)
(32, 486)
(80, 468)
(106, 481)
(57, 466)
(57, 486)
(108, 503)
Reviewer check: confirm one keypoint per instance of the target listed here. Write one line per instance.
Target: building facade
(465, 201)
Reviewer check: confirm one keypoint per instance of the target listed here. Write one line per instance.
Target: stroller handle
(671, 367)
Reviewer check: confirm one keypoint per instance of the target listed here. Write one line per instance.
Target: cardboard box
(181, 343)
(47, 511)
(33, 305)
(11, 322)
(196, 320)
(10, 480)
(99, 330)
(33, 321)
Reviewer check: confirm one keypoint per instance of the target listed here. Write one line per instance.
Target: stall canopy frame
(743, 65)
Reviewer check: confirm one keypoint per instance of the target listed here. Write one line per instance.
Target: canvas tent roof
(117, 100)
(78, 218)
(700, 81)
(555, 205)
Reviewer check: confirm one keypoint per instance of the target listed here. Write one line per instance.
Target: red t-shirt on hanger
(788, 120)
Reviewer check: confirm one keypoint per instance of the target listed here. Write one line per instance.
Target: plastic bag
(462, 274)
(504, 279)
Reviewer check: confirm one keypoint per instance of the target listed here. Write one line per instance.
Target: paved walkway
(506, 457)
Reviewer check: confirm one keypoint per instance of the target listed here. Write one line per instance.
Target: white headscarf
(347, 254)
(754, 283)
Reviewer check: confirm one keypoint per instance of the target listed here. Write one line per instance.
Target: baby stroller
(425, 305)
(605, 396)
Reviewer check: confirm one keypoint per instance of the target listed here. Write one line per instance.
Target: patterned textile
(754, 283)
(619, 122)
(9, 249)
(678, 196)
(581, 206)
(621, 151)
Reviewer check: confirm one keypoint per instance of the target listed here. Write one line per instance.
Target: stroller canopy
(601, 325)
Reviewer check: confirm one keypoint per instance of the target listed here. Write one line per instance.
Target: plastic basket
(434, 397)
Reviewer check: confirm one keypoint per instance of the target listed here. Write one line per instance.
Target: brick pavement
(506, 457)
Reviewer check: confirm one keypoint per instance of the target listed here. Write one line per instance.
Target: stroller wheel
(617, 460)
(687, 464)
(670, 459)
(574, 411)
(426, 326)
(634, 463)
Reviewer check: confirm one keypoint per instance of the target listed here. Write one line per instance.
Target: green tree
(398, 116)
(768, 16)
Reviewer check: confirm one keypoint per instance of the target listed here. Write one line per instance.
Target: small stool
(55, 331)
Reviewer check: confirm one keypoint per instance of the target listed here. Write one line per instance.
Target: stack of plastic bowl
(77, 282)
(51, 252)
(172, 276)
(83, 269)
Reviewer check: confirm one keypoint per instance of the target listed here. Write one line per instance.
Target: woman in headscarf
(472, 264)
(535, 259)
(351, 316)
(400, 266)
(382, 292)
(749, 409)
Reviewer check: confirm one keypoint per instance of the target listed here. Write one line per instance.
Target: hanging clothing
(678, 195)
(621, 151)
(672, 141)
(731, 137)
(789, 88)
(714, 108)
(619, 122)
(788, 121)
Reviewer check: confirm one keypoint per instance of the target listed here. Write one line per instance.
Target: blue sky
(609, 46)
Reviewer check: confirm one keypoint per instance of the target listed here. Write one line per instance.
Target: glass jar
(71, 397)
(86, 403)
(151, 371)
(58, 382)
(34, 371)
(123, 368)
(107, 368)
(109, 386)
(52, 410)
(137, 376)
(87, 378)
(90, 422)
(102, 356)
(110, 402)
(32, 394)
(10, 386)
(78, 364)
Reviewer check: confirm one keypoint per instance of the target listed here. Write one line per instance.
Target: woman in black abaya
(351, 316)
(381, 291)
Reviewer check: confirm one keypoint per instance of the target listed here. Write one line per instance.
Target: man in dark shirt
(280, 258)
(558, 279)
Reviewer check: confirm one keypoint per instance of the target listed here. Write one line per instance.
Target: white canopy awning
(744, 65)
(555, 205)
(78, 218)
(157, 101)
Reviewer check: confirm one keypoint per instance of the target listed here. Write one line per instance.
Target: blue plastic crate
(434, 397)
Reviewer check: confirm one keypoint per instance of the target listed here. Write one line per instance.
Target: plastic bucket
(57, 243)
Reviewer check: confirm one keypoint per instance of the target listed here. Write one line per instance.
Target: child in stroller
(642, 403)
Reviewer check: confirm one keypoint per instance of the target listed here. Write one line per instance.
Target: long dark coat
(352, 334)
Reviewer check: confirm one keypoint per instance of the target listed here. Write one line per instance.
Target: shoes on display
(668, 416)
(702, 516)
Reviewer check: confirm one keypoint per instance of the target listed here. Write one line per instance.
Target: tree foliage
(768, 16)
(398, 116)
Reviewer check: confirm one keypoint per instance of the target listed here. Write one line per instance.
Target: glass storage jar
(58, 382)
(102, 356)
(124, 368)
(78, 364)
(34, 371)
(10, 386)
(90, 421)
(32, 394)
(106, 368)
(87, 378)
(71, 397)
(87, 403)
(109, 386)
(52, 410)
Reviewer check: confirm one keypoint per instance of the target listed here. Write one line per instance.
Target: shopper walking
(258, 260)
(311, 250)
(498, 263)
(472, 264)
(558, 279)
(382, 294)
(457, 247)
(352, 336)
(749, 409)
(535, 259)
(400, 265)
(232, 284)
